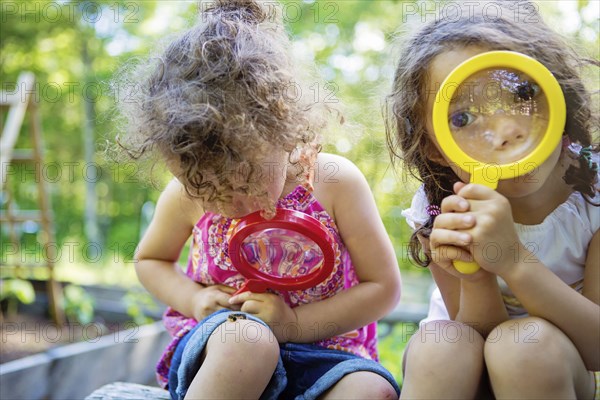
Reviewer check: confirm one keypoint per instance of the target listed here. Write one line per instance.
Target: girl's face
(266, 189)
(497, 116)
(272, 178)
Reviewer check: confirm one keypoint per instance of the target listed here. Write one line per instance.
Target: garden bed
(25, 335)
(40, 359)
(74, 371)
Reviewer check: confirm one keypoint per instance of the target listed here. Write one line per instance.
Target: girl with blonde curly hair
(222, 107)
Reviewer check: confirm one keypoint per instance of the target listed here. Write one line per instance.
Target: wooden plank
(47, 222)
(75, 370)
(14, 120)
(22, 155)
(8, 99)
(20, 102)
(128, 391)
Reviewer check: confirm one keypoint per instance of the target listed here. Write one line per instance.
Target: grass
(392, 346)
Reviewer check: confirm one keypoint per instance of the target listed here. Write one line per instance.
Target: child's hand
(212, 298)
(493, 238)
(449, 239)
(271, 309)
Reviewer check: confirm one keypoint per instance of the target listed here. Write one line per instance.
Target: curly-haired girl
(222, 107)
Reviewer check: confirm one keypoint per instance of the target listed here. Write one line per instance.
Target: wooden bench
(133, 391)
(128, 391)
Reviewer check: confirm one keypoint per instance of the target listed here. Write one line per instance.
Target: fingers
(240, 298)
(223, 300)
(458, 186)
(212, 299)
(454, 221)
(246, 296)
(454, 203)
(444, 255)
(223, 296)
(251, 307)
(445, 237)
(226, 289)
(476, 192)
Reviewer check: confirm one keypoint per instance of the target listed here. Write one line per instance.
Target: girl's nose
(243, 205)
(242, 208)
(507, 133)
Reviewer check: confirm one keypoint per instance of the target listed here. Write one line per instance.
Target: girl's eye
(461, 119)
(527, 91)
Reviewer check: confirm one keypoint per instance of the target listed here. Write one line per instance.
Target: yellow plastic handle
(466, 267)
(478, 175)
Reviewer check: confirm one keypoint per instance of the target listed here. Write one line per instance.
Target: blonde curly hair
(220, 96)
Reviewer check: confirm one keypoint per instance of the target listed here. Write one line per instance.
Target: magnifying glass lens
(281, 253)
(498, 116)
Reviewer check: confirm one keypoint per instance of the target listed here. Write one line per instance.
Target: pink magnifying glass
(291, 251)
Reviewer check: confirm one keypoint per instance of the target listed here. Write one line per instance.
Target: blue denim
(303, 372)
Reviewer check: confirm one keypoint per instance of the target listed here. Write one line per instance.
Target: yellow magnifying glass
(498, 115)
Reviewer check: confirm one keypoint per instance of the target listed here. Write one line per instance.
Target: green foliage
(75, 48)
(78, 304)
(392, 346)
(17, 289)
(67, 47)
(138, 302)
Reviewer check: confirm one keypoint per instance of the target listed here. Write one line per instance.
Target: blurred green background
(74, 48)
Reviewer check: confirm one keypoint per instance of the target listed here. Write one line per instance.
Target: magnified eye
(461, 119)
(526, 91)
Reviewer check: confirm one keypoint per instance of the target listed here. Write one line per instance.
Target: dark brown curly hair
(406, 106)
(218, 98)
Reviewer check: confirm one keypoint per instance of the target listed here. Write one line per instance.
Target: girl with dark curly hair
(224, 108)
(527, 324)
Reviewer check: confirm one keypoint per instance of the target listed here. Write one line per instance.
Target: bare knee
(532, 352)
(362, 385)
(242, 351)
(442, 341)
(526, 343)
(437, 345)
(244, 340)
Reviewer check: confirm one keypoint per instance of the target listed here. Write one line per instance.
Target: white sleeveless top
(560, 242)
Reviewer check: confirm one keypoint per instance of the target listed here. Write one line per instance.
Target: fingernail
(464, 237)
(468, 219)
(463, 204)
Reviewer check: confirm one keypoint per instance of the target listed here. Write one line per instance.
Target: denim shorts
(303, 372)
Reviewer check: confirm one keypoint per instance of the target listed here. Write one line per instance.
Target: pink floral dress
(209, 264)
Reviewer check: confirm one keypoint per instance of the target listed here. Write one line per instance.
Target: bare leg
(361, 385)
(240, 358)
(444, 360)
(531, 358)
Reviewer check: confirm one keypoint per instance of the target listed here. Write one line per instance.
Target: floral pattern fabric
(209, 264)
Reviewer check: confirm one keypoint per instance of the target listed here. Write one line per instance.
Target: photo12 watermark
(453, 332)
(129, 92)
(23, 332)
(325, 12)
(66, 252)
(453, 11)
(90, 12)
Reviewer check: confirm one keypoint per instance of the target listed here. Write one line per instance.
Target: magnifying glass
(498, 115)
(292, 251)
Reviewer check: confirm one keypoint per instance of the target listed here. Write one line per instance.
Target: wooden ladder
(19, 103)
